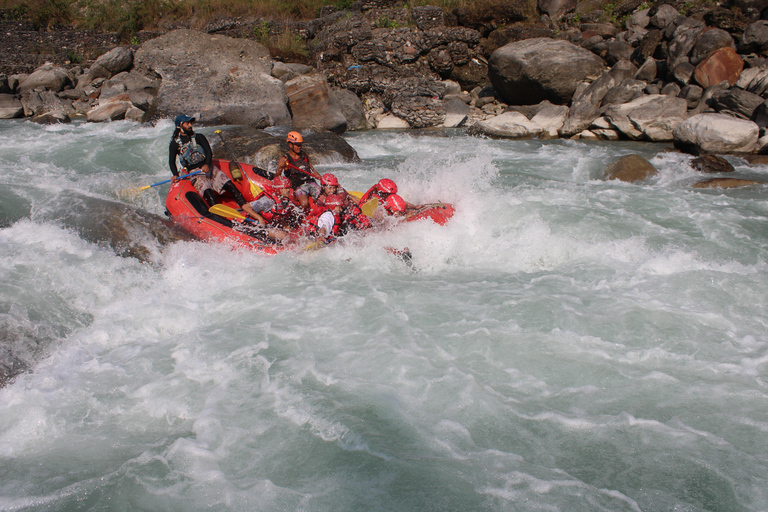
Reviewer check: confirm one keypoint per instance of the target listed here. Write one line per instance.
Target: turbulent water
(563, 343)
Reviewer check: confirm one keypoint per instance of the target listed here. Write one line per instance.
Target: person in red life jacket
(194, 152)
(275, 209)
(330, 185)
(295, 166)
(395, 206)
(327, 224)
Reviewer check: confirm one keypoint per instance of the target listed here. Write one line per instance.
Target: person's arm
(280, 166)
(173, 151)
(247, 208)
(203, 142)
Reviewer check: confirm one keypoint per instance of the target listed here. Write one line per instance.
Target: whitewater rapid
(563, 343)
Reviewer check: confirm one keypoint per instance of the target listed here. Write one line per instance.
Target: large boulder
(115, 61)
(723, 64)
(528, 72)
(716, 133)
(312, 104)
(47, 76)
(510, 125)
(652, 117)
(262, 149)
(352, 108)
(227, 80)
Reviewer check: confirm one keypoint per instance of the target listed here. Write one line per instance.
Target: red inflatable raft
(186, 208)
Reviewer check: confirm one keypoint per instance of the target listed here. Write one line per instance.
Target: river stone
(710, 40)
(227, 80)
(352, 108)
(115, 61)
(723, 64)
(528, 72)
(551, 119)
(664, 16)
(557, 8)
(391, 122)
(47, 76)
(511, 125)
(649, 117)
(111, 111)
(716, 133)
(711, 164)
(755, 38)
(10, 107)
(736, 102)
(312, 104)
(726, 183)
(630, 168)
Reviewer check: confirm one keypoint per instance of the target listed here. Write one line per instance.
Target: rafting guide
(295, 166)
(194, 152)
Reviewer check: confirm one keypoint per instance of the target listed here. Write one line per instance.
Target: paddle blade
(131, 192)
(226, 211)
(369, 207)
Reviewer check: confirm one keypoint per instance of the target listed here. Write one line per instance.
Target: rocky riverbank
(698, 80)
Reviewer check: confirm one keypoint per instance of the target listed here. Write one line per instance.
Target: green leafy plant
(385, 22)
(261, 33)
(73, 57)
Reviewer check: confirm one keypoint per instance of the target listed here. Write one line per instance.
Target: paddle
(237, 173)
(133, 191)
(230, 213)
(369, 207)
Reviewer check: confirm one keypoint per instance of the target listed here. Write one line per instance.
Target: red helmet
(395, 204)
(388, 186)
(295, 137)
(329, 179)
(281, 182)
(334, 200)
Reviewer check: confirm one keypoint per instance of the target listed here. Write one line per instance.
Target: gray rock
(683, 72)
(551, 119)
(47, 76)
(512, 125)
(111, 111)
(115, 61)
(736, 102)
(4, 87)
(586, 107)
(691, 94)
(638, 20)
(716, 133)
(227, 80)
(312, 104)
(530, 71)
(671, 89)
(37, 103)
(651, 118)
(710, 40)
(10, 107)
(664, 16)
(624, 92)
(352, 109)
(755, 38)
(647, 71)
(683, 41)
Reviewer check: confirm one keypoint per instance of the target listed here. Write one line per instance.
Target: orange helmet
(295, 138)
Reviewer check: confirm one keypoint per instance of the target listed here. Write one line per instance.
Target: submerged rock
(630, 168)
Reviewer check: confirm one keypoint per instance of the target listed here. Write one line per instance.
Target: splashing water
(563, 343)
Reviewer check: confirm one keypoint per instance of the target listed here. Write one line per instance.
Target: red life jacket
(283, 206)
(298, 171)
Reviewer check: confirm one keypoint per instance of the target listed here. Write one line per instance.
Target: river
(563, 343)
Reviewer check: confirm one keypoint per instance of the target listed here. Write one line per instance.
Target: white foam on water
(562, 343)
